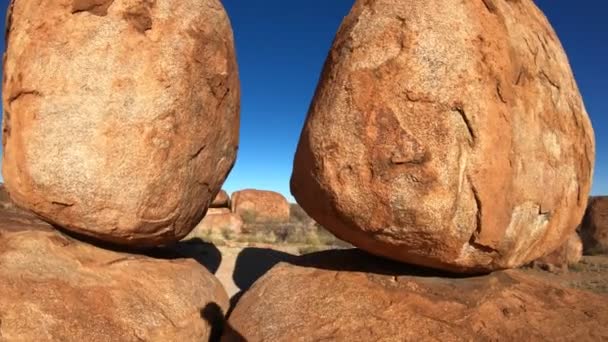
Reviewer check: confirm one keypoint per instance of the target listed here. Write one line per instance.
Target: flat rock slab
(350, 296)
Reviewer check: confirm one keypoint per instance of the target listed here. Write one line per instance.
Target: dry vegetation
(300, 231)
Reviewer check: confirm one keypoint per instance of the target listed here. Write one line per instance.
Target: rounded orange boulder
(121, 118)
(449, 134)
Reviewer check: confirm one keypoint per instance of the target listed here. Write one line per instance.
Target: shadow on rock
(356, 260)
(206, 254)
(212, 313)
(252, 263)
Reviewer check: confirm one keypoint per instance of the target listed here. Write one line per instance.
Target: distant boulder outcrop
(594, 229)
(221, 200)
(260, 206)
(121, 118)
(569, 254)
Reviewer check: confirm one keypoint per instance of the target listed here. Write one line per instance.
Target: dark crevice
(460, 110)
(198, 152)
(499, 92)
(95, 7)
(62, 204)
(221, 101)
(490, 6)
(477, 231)
(551, 82)
(520, 76)
(21, 94)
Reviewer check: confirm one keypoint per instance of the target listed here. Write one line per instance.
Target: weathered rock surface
(260, 206)
(449, 134)
(219, 223)
(222, 200)
(218, 211)
(55, 288)
(594, 229)
(569, 254)
(121, 117)
(348, 296)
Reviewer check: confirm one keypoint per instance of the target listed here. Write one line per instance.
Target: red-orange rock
(449, 134)
(594, 229)
(54, 288)
(218, 223)
(221, 200)
(347, 296)
(121, 118)
(260, 206)
(569, 254)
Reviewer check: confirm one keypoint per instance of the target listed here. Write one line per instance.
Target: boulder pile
(447, 134)
(120, 125)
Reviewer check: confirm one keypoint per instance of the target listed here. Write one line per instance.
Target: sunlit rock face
(449, 134)
(121, 117)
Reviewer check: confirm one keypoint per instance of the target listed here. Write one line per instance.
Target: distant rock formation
(222, 200)
(594, 229)
(449, 134)
(121, 118)
(569, 254)
(350, 296)
(260, 206)
(216, 223)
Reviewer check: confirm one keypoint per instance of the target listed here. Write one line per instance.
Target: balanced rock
(260, 206)
(221, 200)
(449, 134)
(569, 254)
(348, 296)
(55, 288)
(594, 229)
(121, 117)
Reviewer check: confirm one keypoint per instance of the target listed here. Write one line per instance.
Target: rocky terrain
(442, 179)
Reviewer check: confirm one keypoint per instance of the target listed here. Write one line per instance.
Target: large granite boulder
(260, 206)
(349, 296)
(594, 230)
(121, 117)
(55, 288)
(449, 134)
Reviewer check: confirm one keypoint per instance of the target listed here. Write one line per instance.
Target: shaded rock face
(569, 254)
(313, 301)
(260, 206)
(55, 288)
(449, 134)
(121, 117)
(222, 200)
(594, 229)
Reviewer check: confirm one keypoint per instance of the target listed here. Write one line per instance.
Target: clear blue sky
(281, 47)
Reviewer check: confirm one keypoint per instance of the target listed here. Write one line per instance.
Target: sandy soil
(238, 266)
